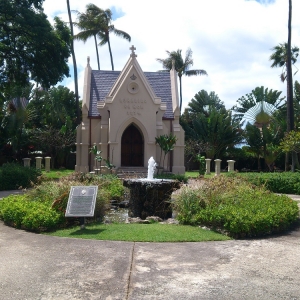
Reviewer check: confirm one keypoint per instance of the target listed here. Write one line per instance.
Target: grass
(195, 174)
(56, 174)
(141, 233)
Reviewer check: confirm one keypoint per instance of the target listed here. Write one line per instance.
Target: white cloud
(231, 40)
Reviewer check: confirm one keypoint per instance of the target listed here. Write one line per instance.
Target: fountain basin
(150, 197)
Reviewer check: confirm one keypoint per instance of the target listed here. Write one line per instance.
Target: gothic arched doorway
(132, 147)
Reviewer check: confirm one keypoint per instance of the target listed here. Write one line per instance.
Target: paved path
(34, 266)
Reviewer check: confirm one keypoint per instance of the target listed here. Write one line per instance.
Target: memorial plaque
(82, 201)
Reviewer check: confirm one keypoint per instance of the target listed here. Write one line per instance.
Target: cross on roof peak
(132, 48)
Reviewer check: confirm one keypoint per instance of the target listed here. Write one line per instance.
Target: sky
(231, 40)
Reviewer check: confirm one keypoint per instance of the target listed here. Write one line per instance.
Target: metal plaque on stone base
(82, 201)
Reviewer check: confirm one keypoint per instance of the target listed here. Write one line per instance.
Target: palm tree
(90, 24)
(182, 66)
(284, 56)
(217, 130)
(201, 103)
(280, 59)
(96, 22)
(106, 29)
(259, 99)
(74, 64)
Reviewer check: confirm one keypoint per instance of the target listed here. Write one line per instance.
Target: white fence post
(26, 162)
(207, 160)
(47, 164)
(230, 165)
(217, 167)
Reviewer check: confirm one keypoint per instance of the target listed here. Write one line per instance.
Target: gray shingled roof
(102, 82)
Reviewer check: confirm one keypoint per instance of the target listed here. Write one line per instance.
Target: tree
(30, 48)
(254, 142)
(166, 143)
(217, 129)
(54, 142)
(285, 56)
(90, 24)
(16, 115)
(258, 95)
(55, 113)
(193, 149)
(107, 29)
(74, 63)
(263, 141)
(55, 107)
(182, 66)
(96, 22)
(280, 58)
(202, 101)
(291, 142)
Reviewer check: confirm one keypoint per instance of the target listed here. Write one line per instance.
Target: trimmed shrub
(234, 206)
(43, 208)
(18, 211)
(14, 176)
(285, 182)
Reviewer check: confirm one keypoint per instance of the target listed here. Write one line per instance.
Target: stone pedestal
(150, 197)
(26, 162)
(47, 164)
(230, 165)
(217, 167)
(207, 161)
(38, 162)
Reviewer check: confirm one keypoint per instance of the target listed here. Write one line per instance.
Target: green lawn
(141, 233)
(56, 174)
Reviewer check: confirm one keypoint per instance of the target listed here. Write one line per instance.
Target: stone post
(38, 162)
(217, 167)
(26, 162)
(230, 165)
(207, 160)
(47, 164)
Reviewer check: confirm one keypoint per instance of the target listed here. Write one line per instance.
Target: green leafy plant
(236, 207)
(98, 157)
(202, 165)
(285, 182)
(14, 176)
(109, 165)
(166, 143)
(43, 207)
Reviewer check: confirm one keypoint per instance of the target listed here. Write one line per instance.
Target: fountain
(149, 196)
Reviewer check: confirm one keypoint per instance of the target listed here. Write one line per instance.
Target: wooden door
(132, 148)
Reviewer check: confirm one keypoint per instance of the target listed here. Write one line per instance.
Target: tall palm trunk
(74, 65)
(290, 108)
(110, 53)
(96, 45)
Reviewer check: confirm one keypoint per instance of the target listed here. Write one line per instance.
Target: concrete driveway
(34, 266)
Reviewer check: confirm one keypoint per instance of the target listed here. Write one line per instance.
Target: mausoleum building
(123, 112)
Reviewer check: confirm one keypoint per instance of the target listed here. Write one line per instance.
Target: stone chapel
(123, 112)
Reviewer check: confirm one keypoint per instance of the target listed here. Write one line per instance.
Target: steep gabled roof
(103, 81)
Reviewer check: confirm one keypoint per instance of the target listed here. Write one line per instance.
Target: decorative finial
(132, 48)
(88, 60)
(133, 77)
